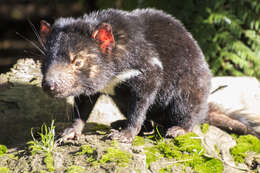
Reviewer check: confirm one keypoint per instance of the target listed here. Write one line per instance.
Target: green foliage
(244, 145)
(4, 170)
(46, 143)
(74, 169)
(3, 150)
(186, 149)
(228, 31)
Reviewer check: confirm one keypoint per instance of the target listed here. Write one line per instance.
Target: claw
(175, 131)
(124, 136)
(73, 132)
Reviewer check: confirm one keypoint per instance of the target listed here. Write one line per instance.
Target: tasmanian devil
(146, 50)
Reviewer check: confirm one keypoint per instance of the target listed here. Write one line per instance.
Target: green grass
(47, 143)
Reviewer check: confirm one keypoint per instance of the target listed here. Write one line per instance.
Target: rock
(105, 111)
(218, 144)
(24, 105)
(239, 97)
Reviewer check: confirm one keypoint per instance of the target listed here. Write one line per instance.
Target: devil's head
(78, 57)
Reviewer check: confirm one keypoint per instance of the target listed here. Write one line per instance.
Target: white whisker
(36, 33)
(31, 42)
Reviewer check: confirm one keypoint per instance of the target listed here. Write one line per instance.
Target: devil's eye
(78, 63)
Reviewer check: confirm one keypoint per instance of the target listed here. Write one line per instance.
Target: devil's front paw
(73, 132)
(175, 131)
(124, 136)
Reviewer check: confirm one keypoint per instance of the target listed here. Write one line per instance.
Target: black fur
(174, 80)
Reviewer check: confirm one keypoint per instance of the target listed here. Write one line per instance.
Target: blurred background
(227, 30)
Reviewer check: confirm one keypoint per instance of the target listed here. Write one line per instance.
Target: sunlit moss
(245, 144)
(74, 169)
(189, 142)
(187, 150)
(4, 170)
(204, 128)
(3, 150)
(115, 154)
(86, 149)
(89, 152)
(138, 141)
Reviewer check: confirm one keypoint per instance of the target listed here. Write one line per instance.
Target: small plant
(3, 150)
(47, 143)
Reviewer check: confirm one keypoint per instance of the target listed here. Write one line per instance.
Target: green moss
(114, 154)
(189, 143)
(209, 165)
(204, 128)
(48, 160)
(101, 128)
(245, 144)
(86, 149)
(3, 150)
(152, 154)
(12, 156)
(43, 171)
(4, 170)
(166, 170)
(89, 151)
(169, 150)
(186, 149)
(138, 141)
(74, 169)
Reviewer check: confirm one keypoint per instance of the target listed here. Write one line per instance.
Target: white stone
(239, 97)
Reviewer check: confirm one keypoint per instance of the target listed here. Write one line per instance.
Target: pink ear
(45, 30)
(104, 35)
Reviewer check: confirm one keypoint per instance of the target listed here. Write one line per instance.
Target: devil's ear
(104, 35)
(45, 30)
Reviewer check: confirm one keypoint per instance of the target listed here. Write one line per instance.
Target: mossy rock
(23, 104)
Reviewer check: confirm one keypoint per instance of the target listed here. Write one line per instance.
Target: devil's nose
(49, 86)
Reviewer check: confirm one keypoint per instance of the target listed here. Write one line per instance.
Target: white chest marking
(155, 61)
(121, 77)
